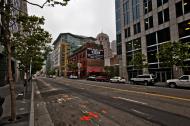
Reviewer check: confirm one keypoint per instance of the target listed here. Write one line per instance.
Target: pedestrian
(1, 105)
(25, 79)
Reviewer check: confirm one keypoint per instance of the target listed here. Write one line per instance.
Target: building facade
(103, 39)
(89, 59)
(113, 47)
(144, 25)
(64, 46)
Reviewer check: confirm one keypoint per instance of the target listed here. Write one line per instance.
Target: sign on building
(95, 53)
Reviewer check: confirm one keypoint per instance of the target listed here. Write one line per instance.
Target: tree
(7, 20)
(174, 53)
(72, 67)
(137, 61)
(34, 39)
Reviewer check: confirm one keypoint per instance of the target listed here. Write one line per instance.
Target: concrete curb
(31, 120)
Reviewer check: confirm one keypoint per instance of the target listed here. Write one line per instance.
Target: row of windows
(163, 16)
(182, 7)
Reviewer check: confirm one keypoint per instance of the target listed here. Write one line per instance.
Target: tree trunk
(11, 81)
(5, 19)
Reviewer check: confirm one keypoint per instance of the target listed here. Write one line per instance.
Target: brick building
(89, 58)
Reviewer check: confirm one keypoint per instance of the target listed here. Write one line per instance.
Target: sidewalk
(23, 106)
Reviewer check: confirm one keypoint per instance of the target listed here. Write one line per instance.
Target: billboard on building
(95, 53)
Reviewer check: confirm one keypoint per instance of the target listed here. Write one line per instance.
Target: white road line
(139, 112)
(48, 85)
(126, 99)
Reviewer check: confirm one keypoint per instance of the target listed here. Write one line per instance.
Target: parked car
(73, 77)
(92, 78)
(117, 80)
(183, 81)
(146, 79)
(102, 78)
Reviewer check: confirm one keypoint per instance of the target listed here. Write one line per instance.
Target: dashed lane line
(131, 100)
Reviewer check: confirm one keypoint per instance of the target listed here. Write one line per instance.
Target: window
(152, 58)
(161, 2)
(186, 6)
(148, 23)
(151, 39)
(119, 49)
(163, 35)
(126, 13)
(136, 9)
(137, 28)
(147, 6)
(137, 43)
(184, 78)
(163, 16)
(179, 10)
(129, 46)
(127, 32)
(118, 25)
(182, 7)
(118, 37)
(184, 28)
(129, 58)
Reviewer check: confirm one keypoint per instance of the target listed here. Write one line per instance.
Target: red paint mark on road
(90, 118)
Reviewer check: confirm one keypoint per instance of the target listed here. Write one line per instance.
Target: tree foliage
(137, 61)
(8, 18)
(111, 71)
(174, 53)
(31, 42)
(72, 67)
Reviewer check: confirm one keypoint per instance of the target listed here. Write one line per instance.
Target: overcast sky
(82, 17)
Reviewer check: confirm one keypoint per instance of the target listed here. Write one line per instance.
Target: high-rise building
(144, 25)
(113, 47)
(103, 39)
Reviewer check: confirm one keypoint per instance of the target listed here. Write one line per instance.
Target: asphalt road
(89, 103)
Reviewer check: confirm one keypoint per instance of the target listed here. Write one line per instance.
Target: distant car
(183, 81)
(146, 79)
(117, 80)
(92, 78)
(102, 78)
(73, 77)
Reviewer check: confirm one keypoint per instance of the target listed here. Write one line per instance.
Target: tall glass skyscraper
(144, 25)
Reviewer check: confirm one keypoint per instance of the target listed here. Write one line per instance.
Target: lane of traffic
(155, 115)
(166, 103)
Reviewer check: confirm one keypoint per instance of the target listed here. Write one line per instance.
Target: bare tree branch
(41, 6)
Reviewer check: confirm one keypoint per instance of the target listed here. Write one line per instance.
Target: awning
(94, 69)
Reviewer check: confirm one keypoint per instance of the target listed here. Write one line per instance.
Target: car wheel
(146, 83)
(172, 85)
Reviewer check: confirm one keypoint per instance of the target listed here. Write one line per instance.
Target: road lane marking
(49, 86)
(126, 99)
(140, 92)
(139, 112)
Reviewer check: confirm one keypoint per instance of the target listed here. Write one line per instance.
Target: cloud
(82, 17)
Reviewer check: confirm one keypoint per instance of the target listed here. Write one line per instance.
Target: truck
(146, 79)
(183, 81)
